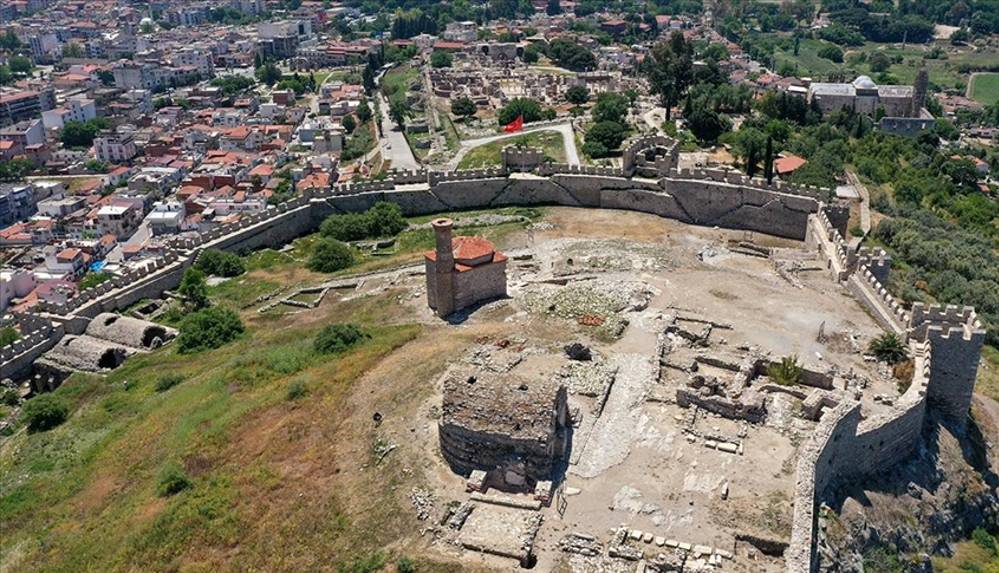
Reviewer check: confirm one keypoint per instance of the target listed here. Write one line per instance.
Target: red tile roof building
(462, 271)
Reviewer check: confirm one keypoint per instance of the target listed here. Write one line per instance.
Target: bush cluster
(336, 338)
(168, 381)
(208, 328)
(220, 263)
(44, 412)
(330, 255)
(383, 219)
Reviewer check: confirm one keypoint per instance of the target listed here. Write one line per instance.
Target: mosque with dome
(898, 108)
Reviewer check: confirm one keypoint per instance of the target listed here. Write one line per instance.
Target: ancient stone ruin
(512, 428)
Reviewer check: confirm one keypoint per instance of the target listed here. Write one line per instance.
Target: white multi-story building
(114, 147)
(118, 219)
(73, 109)
(198, 59)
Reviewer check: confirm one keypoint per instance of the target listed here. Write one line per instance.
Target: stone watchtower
(956, 338)
(919, 88)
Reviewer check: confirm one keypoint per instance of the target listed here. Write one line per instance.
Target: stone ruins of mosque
(512, 428)
(462, 271)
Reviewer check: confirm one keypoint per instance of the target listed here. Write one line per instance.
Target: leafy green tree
(268, 74)
(19, 65)
(831, 53)
(106, 77)
(194, 288)
(349, 124)
(612, 107)
(330, 255)
(608, 134)
(336, 338)
(9, 41)
(441, 59)
(528, 108)
(44, 412)
(577, 95)
(553, 7)
(532, 54)
(81, 134)
(463, 107)
(220, 263)
(879, 62)
(385, 219)
(73, 50)
(364, 111)
(670, 70)
(571, 55)
(706, 124)
(208, 328)
(8, 335)
(399, 112)
(345, 227)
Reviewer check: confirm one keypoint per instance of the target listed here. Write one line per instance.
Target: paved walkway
(395, 148)
(865, 206)
(568, 141)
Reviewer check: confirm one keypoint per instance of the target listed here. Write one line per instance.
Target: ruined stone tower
(956, 338)
(919, 88)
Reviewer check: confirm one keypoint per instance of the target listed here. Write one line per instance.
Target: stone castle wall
(844, 447)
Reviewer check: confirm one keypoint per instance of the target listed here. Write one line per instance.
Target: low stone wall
(18, 357)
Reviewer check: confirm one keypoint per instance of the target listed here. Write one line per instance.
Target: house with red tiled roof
(785, 166)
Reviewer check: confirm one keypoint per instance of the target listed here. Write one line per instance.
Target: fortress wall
(873, 295)
(845, 447)
(818, 461)
(469, 194)
(18, 357)
(740, 207)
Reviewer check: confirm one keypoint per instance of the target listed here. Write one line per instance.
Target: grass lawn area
(808, 61)
(985, 88)
(488, 155)
(988, 373)
(394, 81)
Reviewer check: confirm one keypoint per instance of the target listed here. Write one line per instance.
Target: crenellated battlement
(522, 158)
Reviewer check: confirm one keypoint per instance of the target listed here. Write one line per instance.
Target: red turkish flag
(515, 125)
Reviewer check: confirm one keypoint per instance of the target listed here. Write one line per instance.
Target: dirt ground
(632, 465)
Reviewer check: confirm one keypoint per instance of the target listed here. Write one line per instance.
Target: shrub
(296, 390)
(336, 338)
(888, 348)
(173, 480)
(8, 335)
(9, 397)
(346, 227)
(831, 53)
(208, 328)
(168, 381)
(405, 565)
(330, 255)
(44, 412)
(787, 372)
(220, 263)
(385, 220)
